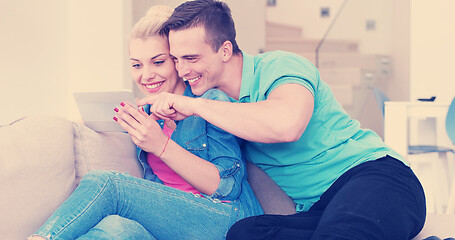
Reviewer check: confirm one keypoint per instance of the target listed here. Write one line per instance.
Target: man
(346, 183)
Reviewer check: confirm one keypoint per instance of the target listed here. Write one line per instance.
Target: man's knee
(241, 229)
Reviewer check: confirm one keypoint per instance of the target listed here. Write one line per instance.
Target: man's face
(195, 60)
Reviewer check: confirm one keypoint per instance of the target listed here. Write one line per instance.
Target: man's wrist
(196, 104)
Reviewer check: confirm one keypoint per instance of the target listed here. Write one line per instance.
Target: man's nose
(182, 68)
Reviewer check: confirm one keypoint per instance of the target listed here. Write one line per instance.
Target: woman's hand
(145, 132)
(169, 106)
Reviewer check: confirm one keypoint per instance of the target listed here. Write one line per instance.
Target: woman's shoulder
(216, 94)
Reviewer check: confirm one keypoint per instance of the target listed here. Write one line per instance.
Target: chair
(381, 98)
(450, 128)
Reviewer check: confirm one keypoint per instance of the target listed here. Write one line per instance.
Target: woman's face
(152, 68)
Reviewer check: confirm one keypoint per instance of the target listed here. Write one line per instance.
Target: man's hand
(169, 106)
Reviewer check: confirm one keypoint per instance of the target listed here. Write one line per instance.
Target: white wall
(33, 63)
(51, 48)
(97, 40)
(398, 88)
(432, 49)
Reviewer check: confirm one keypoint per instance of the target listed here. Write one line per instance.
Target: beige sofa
(42, 158)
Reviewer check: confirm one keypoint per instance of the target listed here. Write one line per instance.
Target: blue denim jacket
(216, 146)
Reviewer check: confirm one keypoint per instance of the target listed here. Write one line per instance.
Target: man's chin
(198, 91)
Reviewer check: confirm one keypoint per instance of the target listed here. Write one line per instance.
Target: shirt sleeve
(285, 68)
(224, 152)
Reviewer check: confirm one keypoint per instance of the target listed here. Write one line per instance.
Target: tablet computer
(97, 108)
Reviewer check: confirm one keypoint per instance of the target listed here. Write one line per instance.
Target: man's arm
(283, 117)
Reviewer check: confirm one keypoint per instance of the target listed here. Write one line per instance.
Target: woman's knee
(115, 227)
(117, 223)
(97, 177)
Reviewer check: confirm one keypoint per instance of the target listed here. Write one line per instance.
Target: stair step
(345, 60)
(349, 76)
(310, 45)
(274, 30)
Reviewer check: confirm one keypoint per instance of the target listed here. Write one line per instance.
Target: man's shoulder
(282, 58)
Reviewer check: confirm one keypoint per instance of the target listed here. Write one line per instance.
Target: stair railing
(327, 33)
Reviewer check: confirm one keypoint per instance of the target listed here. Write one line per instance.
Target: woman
(195, 185)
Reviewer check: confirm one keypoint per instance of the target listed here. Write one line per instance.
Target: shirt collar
(247, 75)
(188, 91)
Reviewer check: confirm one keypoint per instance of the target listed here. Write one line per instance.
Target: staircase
(348, 72)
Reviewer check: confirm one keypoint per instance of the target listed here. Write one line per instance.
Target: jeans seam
(175, 195)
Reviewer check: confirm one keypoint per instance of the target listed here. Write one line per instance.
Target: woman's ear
(226, 50)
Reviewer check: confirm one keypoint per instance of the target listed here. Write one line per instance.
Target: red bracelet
(164, 147)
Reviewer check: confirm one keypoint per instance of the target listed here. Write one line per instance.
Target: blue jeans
(114, 227)
(165, 212)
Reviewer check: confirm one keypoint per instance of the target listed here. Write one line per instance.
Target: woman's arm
(148, 135)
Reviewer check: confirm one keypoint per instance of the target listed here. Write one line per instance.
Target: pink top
(165, 173)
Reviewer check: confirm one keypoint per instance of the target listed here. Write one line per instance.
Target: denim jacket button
(204, 145)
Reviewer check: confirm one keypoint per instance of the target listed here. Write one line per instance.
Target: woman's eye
(158, 62)
(136, 65)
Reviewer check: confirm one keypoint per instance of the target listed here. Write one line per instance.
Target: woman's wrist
(165, 146)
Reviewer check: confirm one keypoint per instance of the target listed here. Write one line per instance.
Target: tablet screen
(97, 108)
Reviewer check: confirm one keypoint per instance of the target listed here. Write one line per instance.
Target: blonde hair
(150, 24)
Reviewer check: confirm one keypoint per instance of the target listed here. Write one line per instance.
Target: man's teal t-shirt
(331, 144)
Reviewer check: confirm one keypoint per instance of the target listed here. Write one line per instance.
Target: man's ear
(226, 50)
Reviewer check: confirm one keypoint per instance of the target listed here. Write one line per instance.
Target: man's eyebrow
(190, 56)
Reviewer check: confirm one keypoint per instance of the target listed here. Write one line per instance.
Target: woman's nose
(149, 74)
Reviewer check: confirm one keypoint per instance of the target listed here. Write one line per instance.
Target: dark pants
(381, 199)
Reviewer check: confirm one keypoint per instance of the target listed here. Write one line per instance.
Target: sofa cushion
(36, 172)
(104, 150)
(271, 197)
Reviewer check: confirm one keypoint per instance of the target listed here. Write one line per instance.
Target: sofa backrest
(43, 158)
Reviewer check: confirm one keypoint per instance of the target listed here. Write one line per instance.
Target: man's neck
(232, 76)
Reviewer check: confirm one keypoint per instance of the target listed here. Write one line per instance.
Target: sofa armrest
(36, 172)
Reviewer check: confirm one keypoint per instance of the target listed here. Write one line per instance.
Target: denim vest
(216, 146)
